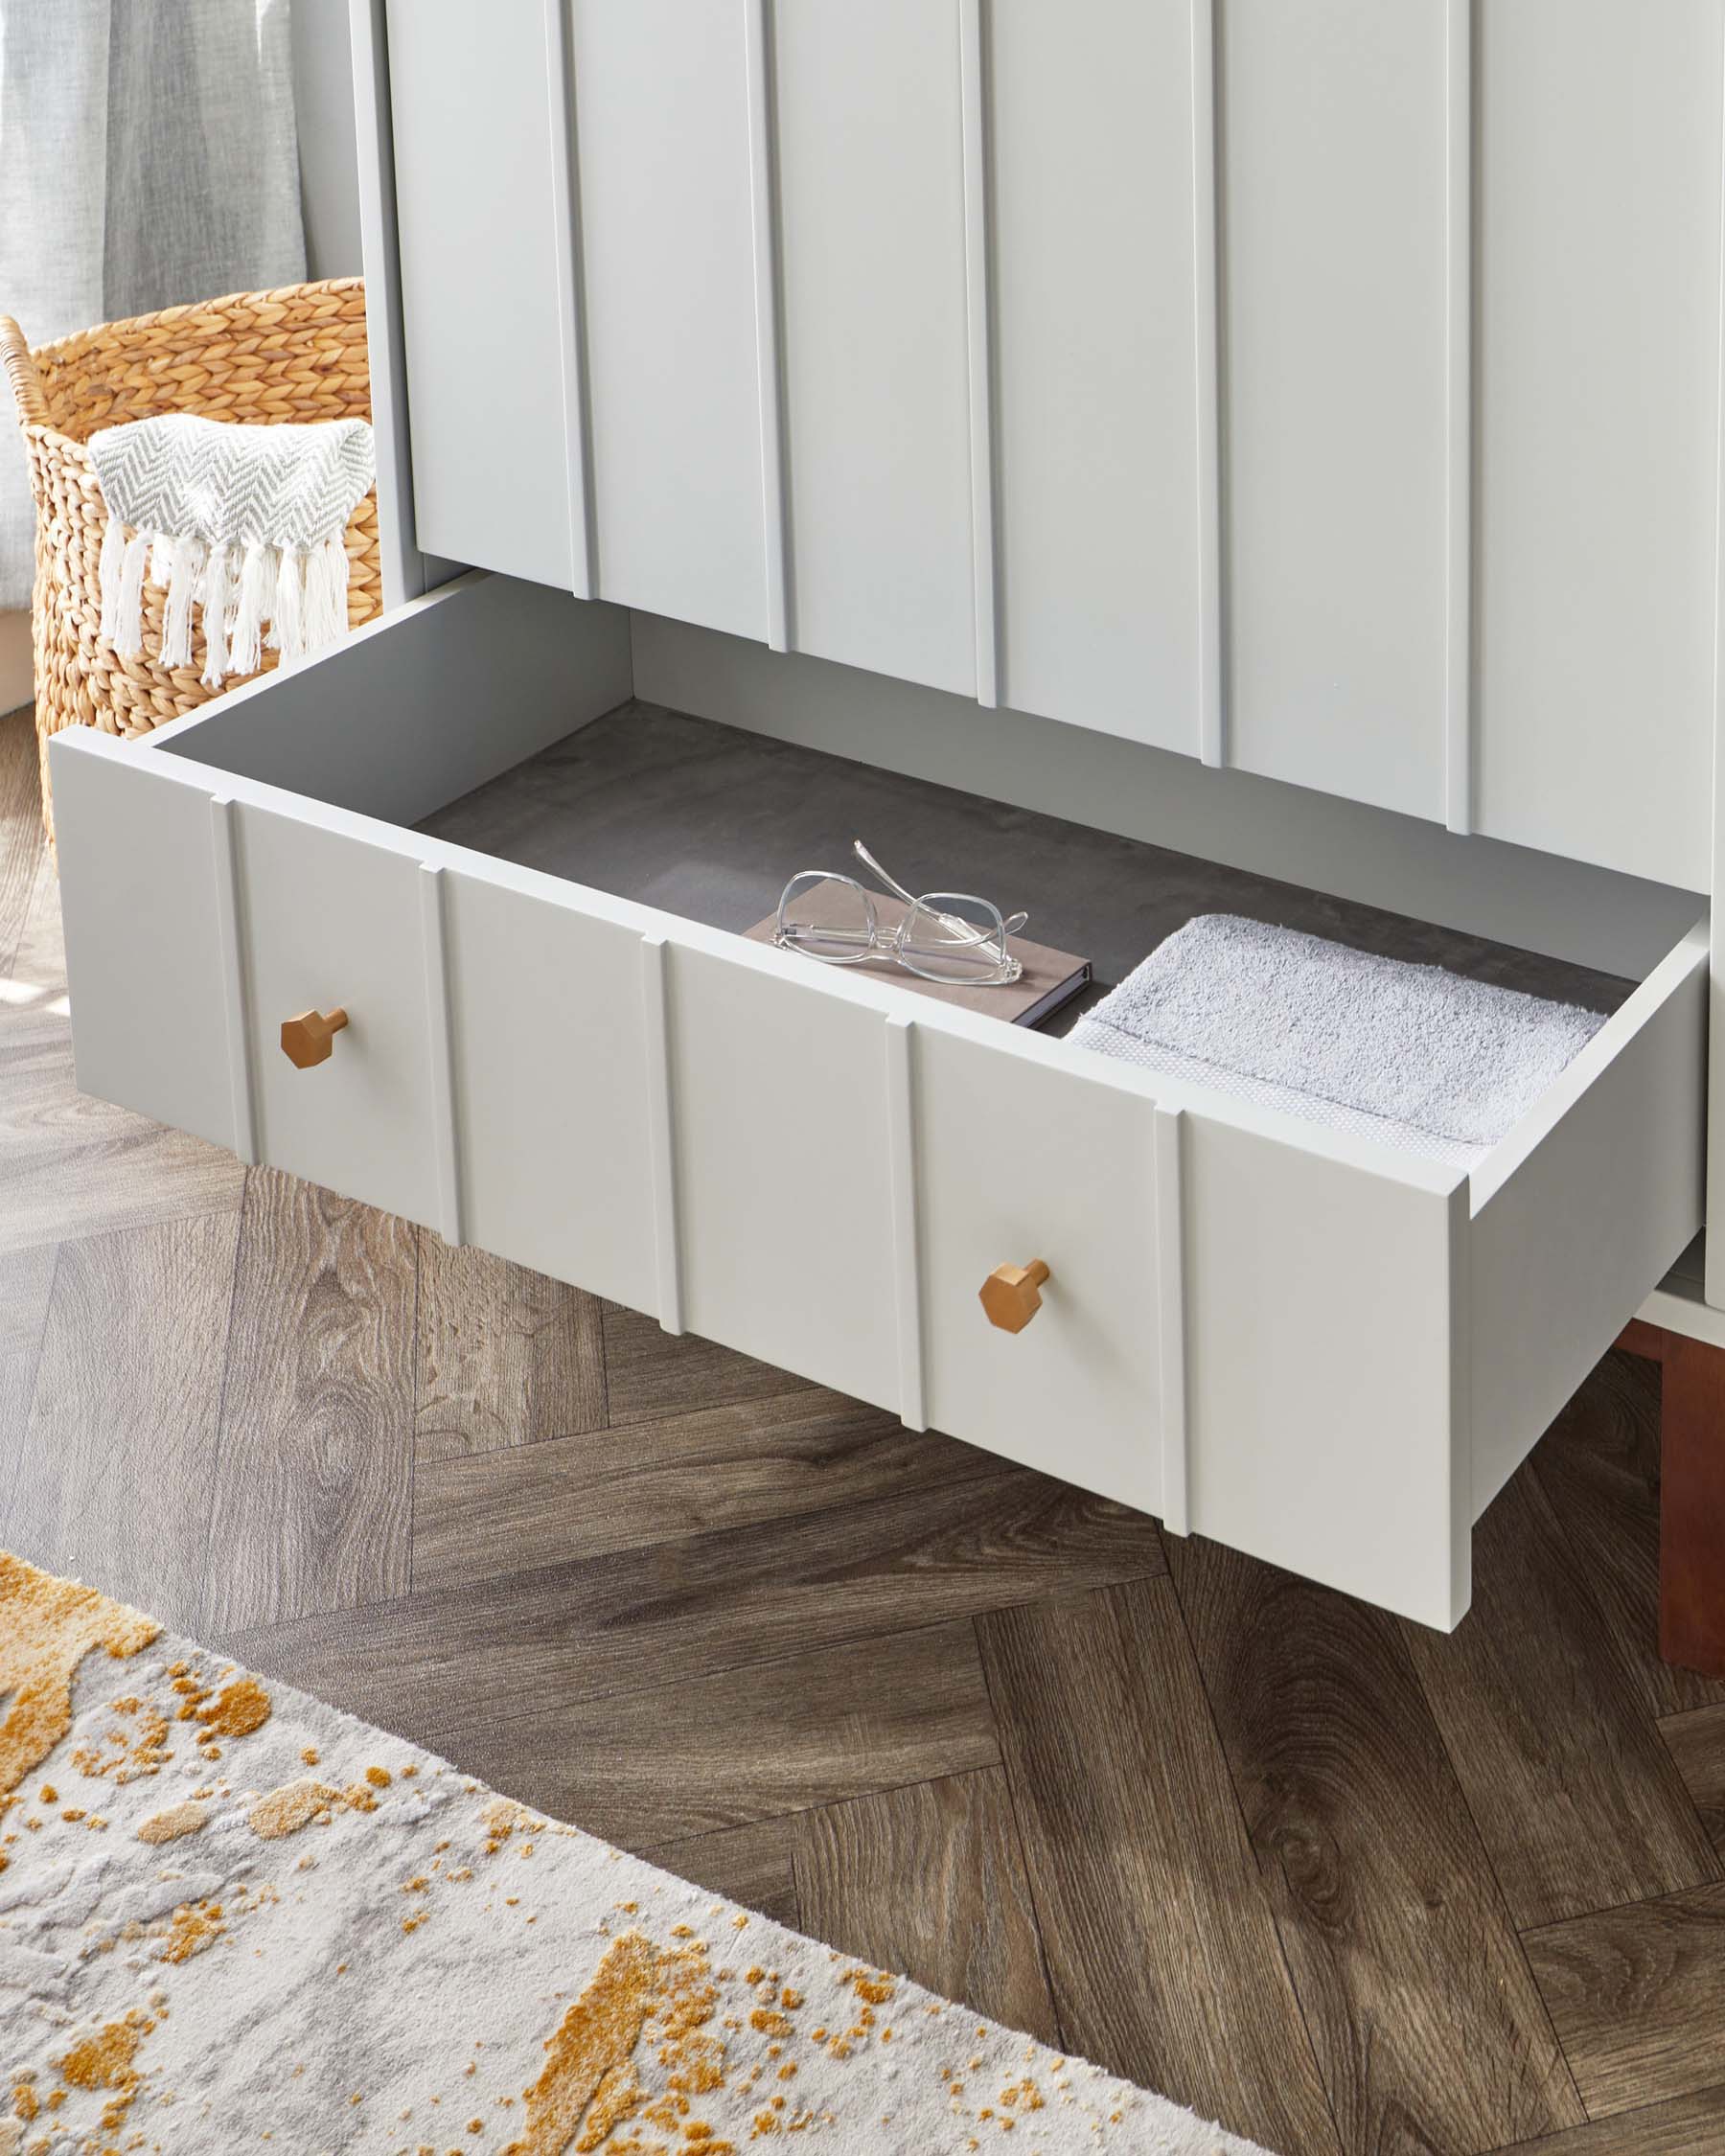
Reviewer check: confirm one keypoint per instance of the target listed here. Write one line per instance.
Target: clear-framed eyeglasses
(944, 935)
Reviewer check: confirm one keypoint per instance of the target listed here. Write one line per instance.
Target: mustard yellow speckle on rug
(207, 1946)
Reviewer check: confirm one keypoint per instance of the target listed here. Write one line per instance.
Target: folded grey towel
(1412, 1055)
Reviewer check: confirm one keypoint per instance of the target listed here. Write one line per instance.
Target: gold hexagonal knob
(306, 1040)
(1012, 1294)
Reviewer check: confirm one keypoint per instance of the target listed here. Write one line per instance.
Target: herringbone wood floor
(1345, 1884)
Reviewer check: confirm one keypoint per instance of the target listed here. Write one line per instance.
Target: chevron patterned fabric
(244, 522)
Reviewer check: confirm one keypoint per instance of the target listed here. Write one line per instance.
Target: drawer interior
(708, 821)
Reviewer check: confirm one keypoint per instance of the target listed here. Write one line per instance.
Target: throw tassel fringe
(256, 582)
(299, 595)
(113, 560)
(128, 602)
(326, 594)
(185, 567)
(287, 629)
(216, 593)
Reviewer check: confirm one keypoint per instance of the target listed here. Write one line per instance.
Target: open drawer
(1304, 1343)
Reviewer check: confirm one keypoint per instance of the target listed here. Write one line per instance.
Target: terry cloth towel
(1413, 1056)
(245, 522)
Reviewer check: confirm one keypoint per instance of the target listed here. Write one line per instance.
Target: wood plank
(1162, 1949)
(17, 1389)
(113, 1480)
(1599, 1465)
(969, 1930)
(719, 1601)
(690, 1755)
(1427, 2025)
(39, 958)
(79, 1166)
(1637, 1997)
(21, 842)
(1692, 2125)
(809, 1450)
(506, 1357)
(26, 1279)
(1692, 1508)
(1576, 1801)
(753, 1865)
(1696, 1742)
(314, 1495)
(651, 1372)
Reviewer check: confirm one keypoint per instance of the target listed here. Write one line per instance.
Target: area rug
(232, 1917)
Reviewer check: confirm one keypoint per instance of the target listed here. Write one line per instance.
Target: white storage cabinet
(1322, 390)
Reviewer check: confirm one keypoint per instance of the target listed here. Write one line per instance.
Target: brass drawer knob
(1012, 1294)
(306, 1040)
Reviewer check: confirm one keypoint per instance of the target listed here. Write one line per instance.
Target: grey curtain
(146, 157)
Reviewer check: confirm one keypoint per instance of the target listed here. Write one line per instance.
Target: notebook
(1049, 978)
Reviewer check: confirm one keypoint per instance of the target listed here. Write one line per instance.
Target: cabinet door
(480, 114)
(1336, 393)
(1599, 266)
(669, 273)
(876, 356)
(1098, 131)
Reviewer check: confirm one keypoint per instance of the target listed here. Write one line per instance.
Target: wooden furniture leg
(1692, 1506)
(1691, 1495)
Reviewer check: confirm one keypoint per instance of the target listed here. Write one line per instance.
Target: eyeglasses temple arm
(964, 930)
(891, 883)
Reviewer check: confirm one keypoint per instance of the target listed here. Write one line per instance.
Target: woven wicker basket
(298, 354)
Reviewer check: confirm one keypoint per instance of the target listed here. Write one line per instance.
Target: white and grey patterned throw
(246, 522)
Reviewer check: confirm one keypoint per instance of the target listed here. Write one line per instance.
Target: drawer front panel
(1326, 1357)
(1011, 1159)
(149, 914)
(328, 922)
(547, 1035)
(778, 1105)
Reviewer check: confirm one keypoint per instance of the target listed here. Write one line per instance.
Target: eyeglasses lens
(826, 917)
(949, 937)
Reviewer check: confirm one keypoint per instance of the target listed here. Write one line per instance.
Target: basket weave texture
(255, 358)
